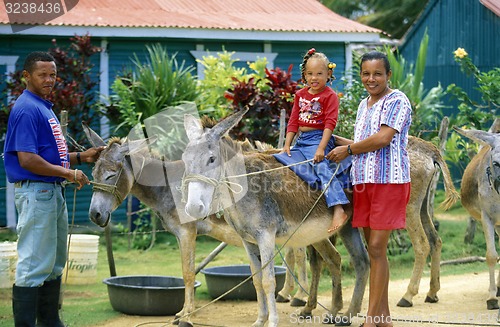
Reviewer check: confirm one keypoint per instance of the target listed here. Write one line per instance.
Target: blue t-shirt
(33, 127)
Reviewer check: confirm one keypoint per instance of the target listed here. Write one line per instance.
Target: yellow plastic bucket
(8, 260)
(81, 265)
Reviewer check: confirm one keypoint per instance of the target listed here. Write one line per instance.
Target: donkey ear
(225, 125)
(479, 136)
(193, 127)
(495, 127)
(92, 136)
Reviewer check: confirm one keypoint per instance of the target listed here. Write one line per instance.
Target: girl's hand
(319, 156)
(286, 149)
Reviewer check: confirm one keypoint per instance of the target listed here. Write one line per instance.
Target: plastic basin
(147, 295)
(221, 279)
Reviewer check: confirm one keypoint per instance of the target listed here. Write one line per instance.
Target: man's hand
(92, 154)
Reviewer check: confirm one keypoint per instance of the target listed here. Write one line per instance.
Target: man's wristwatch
(349, 151)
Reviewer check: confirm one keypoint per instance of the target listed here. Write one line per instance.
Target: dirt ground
(462, 303)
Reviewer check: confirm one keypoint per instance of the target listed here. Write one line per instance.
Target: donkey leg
(491, 259)
(256, 266)
(315, 263)
(284, 294)
(435, 246)
(267, 244)
(187, 245)
(299, 299)
(353, 242)
(421, 248)
(497, 230)
(332, 259)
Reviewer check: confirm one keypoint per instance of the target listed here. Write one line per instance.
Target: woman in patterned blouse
(380, 174)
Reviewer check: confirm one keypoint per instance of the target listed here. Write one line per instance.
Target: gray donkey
(480, 194)
(270, 212)
(114, 179)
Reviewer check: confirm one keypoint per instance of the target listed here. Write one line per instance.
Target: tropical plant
(154, 95)
(220, 73)
(478, 114)
(75, 86)
(266, 98)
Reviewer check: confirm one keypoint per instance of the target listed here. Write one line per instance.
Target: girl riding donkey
(314, 115)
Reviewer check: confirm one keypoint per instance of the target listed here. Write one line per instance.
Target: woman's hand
(338, 154)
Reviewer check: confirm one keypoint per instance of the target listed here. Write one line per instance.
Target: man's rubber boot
(24, 305)
(48, 304)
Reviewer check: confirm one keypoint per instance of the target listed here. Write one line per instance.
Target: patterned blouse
(390, 164)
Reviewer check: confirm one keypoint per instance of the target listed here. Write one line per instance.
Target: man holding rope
(37, 161)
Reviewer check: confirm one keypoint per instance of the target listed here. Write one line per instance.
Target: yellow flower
(460, 53)
(331, 65)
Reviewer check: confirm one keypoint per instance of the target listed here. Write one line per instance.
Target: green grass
(88, 305)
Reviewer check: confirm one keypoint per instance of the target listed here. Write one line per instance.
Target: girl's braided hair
(312, 53)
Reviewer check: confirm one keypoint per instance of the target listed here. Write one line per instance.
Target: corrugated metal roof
(255, 15)
(493, 5)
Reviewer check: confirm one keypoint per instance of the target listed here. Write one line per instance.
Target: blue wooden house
(470, 24)
(280, 30)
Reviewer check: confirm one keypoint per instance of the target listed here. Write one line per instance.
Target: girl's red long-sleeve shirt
(314, 110)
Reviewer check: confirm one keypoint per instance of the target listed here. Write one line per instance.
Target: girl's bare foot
(339, 219)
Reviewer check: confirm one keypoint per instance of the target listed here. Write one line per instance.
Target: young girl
(314, 115)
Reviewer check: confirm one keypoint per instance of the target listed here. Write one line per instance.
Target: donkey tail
(451, 194)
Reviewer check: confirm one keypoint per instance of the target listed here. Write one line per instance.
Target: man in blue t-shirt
(37, 161)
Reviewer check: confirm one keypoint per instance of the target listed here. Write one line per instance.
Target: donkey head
(113, 175)
(204, 162)
(492, 157)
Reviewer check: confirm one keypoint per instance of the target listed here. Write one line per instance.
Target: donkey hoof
(297, 303)
(492, 304)
(404, 303)
(185, 324)
(282, 299)
(429, 299)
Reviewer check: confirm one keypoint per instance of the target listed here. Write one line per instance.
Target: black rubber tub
(146, 295)
(221, 279)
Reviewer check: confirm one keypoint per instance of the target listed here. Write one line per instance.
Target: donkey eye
(211, 159)
(110, 176)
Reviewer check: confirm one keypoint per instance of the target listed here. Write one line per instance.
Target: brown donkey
(480, 193)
